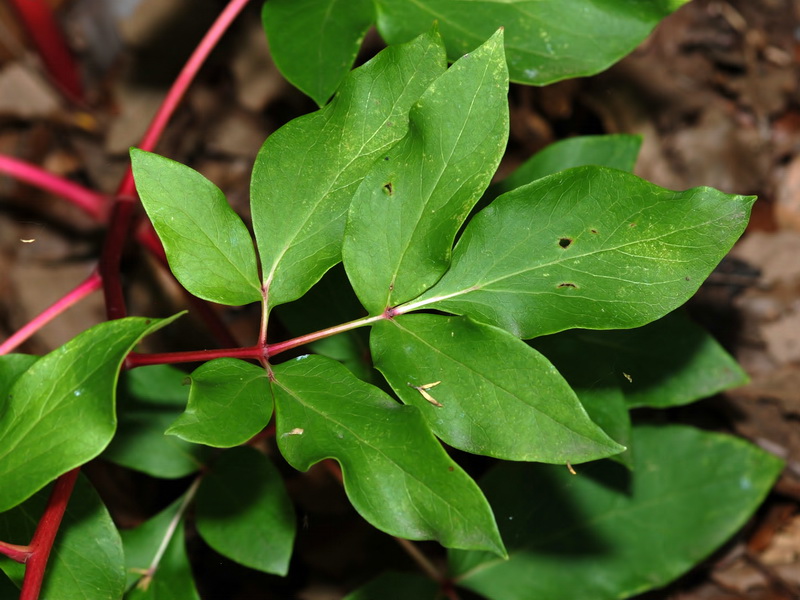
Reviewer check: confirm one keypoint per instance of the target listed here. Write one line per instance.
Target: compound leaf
(316, 63)
(490, 393)
(244, 512)
(151, 398)
(589, 248)
(546, 40)
(70, 390)
(406, 212)
(624, 532)
(229, 402)
(395, 472)
(307, 172)
(86, 560)
(208, 246)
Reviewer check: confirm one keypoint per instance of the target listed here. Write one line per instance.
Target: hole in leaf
(565, 242)
(567, 284)
(385, 158)
(387, 187)
(632, 225)
(593, 230)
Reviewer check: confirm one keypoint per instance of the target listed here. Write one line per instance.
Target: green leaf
(86, 560)
(60, 412)
(407, 211)
(244, 512)
(208, 246)
(669, 362)
(307, 172)
(316, 62)
(496, 395)
(12, 366)
(546, 40)
(395, 473)
(590, 248)
(151, 398)
(620, 532)
(229, 403)
(614, 151)
(397, 586)
(172, 578)
(591, 378)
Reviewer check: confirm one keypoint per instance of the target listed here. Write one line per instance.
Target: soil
(713, 91)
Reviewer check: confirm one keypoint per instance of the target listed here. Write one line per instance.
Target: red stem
(45, 535)
(40, 23)
(111, 256)
(89, 285)
(16, 553)
(184, 79)
(92, 203)
(140, 360)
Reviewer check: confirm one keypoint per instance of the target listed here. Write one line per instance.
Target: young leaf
(86, 560)
(489, 393)
(397, 586)
(307, 172)
(316, 63)
(590, 247)
(623, 532)
(151, 398)
(229, 402)
(208, 246)
(171, 576)
(70, 390)
(406, 212)
(546, 40)
(395, 472)
(244, 512)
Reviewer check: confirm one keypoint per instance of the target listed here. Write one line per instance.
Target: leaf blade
(622, 252)
(229, 403)
(497, 396)
(548, 40)
(71, 389)
(208, 247)
(406, 212)
(319, 64)
(303, 178)
(623, 541)
(395, 473)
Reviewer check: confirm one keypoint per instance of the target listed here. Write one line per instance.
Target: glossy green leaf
(229, 402)
(150, 399)
(395, 472)
(208, 246)
(12, 366)
(397, 586)
(590, 248)
(406, 212)
(86, 560)
(614, 151)
(620, 532)
(172, 577)
(314, 42)
(494, 394)
(69, 391)
(307, 172)
(244, 512)
(669, 362)
(546, 40)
